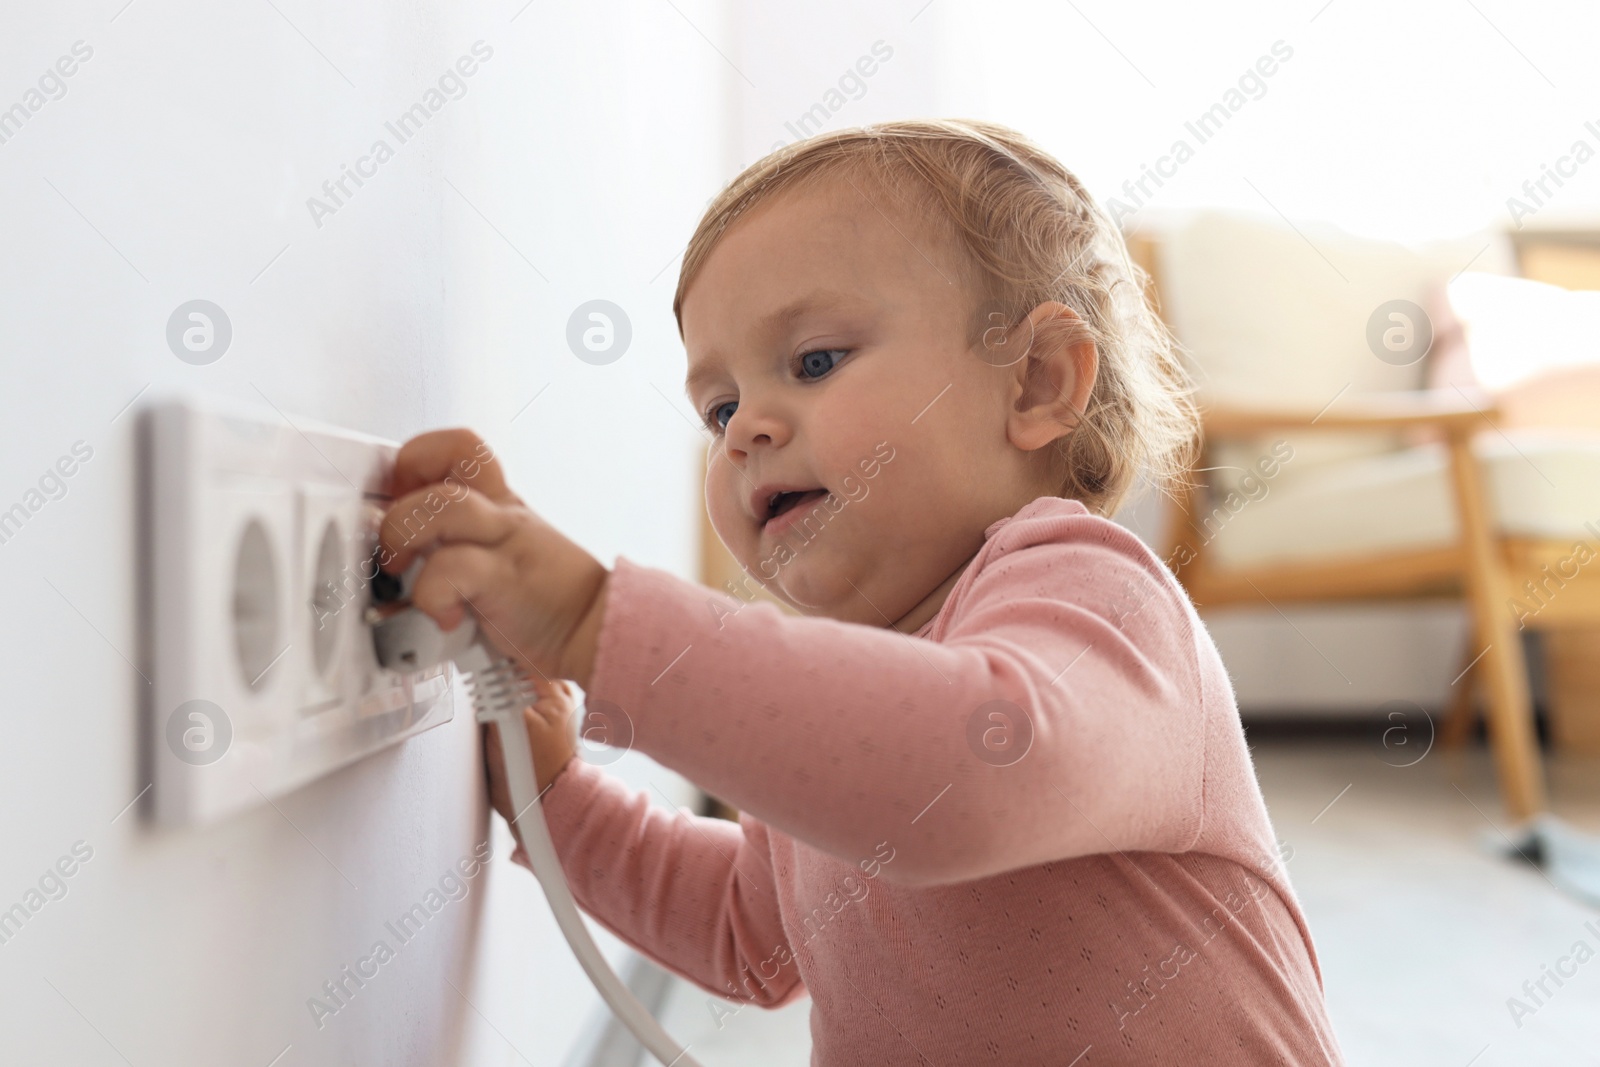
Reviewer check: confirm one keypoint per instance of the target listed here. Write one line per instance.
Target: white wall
(1407, 121)
(177, 166)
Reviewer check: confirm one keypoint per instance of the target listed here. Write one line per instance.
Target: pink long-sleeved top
(1028, 834)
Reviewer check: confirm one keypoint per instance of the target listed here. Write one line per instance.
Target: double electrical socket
(259, 537)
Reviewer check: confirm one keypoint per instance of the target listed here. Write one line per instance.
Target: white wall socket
(258, 535)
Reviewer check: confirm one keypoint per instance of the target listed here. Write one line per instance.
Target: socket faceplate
(259, 532)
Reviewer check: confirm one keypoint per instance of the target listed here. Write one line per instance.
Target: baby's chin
(816, 586)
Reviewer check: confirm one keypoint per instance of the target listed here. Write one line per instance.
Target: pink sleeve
(844, 735)
(694, 894)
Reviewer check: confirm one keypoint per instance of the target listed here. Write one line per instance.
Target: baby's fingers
(441, 455)
(552, 704)
(453, 581)
(437, 515)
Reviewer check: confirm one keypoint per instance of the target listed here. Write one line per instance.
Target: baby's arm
(844, 735)
(677, 889)
(694, 894)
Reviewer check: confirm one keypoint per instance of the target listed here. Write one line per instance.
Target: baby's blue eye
(811, 365)
(821, 360)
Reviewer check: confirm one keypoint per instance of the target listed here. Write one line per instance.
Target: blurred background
(1376, 227)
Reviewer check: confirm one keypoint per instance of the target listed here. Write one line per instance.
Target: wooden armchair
(1439, 508)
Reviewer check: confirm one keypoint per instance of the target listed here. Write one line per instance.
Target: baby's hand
(550, 739)
(530, 586)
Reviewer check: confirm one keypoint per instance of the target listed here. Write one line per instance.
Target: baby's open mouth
(779, 503)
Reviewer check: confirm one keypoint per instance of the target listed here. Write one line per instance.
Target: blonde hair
(1031, 233)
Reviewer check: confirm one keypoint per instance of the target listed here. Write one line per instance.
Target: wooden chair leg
(1505, 669)
(1460, 715)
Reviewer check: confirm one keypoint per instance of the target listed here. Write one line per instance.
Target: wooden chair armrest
(1451, 410)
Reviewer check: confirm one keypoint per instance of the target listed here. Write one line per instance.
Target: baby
(995, 804)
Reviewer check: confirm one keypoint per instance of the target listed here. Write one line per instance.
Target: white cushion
(1518, 328)
(1539, 483)
(1277, 314)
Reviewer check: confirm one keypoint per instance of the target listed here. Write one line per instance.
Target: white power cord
(409, 640)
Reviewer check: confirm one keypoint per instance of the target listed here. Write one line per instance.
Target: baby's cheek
(727, 517)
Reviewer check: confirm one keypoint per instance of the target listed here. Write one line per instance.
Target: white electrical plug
(407, 640)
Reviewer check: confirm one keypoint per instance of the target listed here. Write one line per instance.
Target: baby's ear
(1053, 382)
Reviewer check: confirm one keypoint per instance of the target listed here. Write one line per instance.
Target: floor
(1422, 931)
